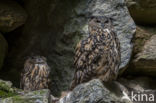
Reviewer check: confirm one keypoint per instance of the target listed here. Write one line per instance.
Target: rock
(143, 11)
(40, 96)
(10, 94)
(91, 92)
(5, 85)
(140, 89)
(3, 49)
(141, 36)
(138, 83)
(121, 91)
(12, 15)
(6, 89)
(55, 32)
(145, 62)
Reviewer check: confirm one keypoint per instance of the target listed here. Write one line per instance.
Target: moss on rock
(40, 96)
(6, 89)
(5, 94)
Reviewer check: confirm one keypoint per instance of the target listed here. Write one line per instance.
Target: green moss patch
(6, 89)
(5, 94)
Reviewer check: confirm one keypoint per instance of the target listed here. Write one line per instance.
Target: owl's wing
(24, 75)
(117, 57)
(89, 53)
(83, 50)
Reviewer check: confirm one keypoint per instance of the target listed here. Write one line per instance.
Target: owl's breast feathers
(97, 56)
(35, 76)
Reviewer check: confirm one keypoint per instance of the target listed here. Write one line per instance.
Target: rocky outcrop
(145, 61)
(120, 91)
(6, 89)
(138, 83)
(40, 96)
(10, 94)
(94, 91)
(91, 92)
(139, 86)
(143, 11)
(55, 32)
(12, 15)
(3, 49)
(141, 36)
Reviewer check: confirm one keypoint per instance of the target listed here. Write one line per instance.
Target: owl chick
(35, 74)
(98, 55)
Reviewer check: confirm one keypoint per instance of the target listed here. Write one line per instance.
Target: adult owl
(35, 74)
(98, 55)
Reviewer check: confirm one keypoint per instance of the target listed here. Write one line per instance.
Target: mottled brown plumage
(35, 74)
(98, 55)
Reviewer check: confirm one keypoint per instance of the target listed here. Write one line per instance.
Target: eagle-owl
(98, 55)
(35, 74)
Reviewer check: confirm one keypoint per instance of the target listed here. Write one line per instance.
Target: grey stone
(91, 92)
(12, 15)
